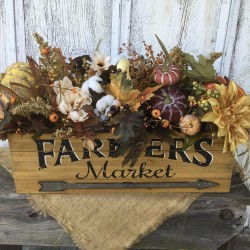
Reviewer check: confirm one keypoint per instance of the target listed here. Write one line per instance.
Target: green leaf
(163, 47)
(190, 140)
(202, 70)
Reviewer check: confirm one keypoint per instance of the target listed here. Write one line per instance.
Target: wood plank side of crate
(158, 165)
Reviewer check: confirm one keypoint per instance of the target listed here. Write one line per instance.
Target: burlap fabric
(108, 221)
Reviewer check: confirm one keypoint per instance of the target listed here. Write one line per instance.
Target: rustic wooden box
(52, 165)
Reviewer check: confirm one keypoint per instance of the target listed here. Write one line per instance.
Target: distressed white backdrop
(197, 26)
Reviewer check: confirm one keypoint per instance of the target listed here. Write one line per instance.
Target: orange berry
(164, 123)
(156, 113)
(45, 51)
(12, 99)
(210, 86)
(53, 117)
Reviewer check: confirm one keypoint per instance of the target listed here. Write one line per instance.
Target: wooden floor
(214, 221)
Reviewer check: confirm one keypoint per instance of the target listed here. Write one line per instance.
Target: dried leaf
(147, 93)
(62, 62)
(35, 71)
(89, 144)
(122, 90)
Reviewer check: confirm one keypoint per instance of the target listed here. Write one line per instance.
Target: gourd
(170, 102)
(169, 77)
(190, 124)
(21, 74)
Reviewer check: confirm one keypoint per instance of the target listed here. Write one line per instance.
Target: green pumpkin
(21, 74)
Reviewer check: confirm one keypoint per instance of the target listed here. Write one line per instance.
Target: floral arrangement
(171, 94)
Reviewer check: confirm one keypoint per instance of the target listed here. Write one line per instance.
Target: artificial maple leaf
(122, 89)
(143, 96)
(201, 69)
(147, 93)
(132, 98)
(131, 134)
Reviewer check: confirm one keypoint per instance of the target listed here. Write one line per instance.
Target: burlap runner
(108, 221)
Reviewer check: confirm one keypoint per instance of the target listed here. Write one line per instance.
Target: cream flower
(231, 113)
(99, 62)
(71, 100)
(78, 116)
(62, 86)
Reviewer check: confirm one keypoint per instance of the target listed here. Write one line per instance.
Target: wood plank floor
(211, 222)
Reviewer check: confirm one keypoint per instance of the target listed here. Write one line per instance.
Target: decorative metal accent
(58, 186)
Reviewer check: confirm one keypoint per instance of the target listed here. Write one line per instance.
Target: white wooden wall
(198, 26)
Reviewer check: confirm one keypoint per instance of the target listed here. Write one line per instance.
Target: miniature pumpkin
(171, 102)
(190, 124)
(167, 78)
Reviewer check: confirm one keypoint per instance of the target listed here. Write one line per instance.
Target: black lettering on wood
(113, 145)
(65, 144)
(91, 169)
(206, 154)
(173, 150)
(145, 172)
(149, 150)
(157, 172)
(41, 154)
(168, 170)
(98, 145)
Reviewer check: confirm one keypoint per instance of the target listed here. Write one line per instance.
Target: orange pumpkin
(190, 124)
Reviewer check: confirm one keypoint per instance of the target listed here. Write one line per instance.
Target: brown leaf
(35, 71)
(125, 96)
(62, 61)
(147, 93)
(131, 98)
(115, 86)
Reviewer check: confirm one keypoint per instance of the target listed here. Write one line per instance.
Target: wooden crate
(52, 165)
